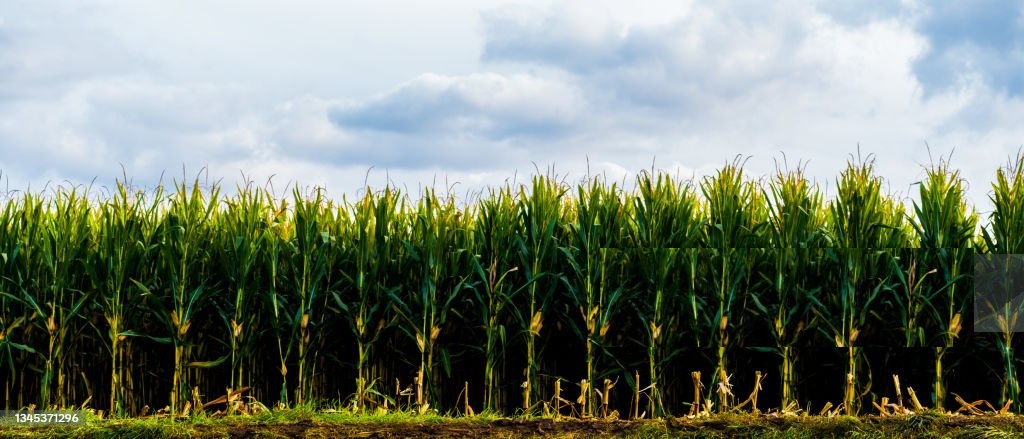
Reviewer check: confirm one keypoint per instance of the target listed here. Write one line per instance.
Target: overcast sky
(477, 92)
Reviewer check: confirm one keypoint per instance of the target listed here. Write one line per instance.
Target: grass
(304, 422)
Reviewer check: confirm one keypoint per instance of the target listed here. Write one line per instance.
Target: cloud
(862, 12)
(971, 41)
(707, 63)
(688, 85)
(813, 81)
(45, 49)
(692, 90)
(490, 106)
(711, 51)
(97, 125)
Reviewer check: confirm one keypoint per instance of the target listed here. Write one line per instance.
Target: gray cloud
(713, 52)
(981, 40)
(490, 106)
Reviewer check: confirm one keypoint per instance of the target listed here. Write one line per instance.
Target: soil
(500, 428)
(927, 424)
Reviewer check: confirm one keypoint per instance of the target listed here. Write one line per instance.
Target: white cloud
(150, 128)
(318, 92)
(720, 81)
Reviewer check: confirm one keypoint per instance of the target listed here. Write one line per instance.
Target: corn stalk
(496, 286)
(945, 227)
(241, 239)
(664, 228)
(1005, 236)
(376, 235)
(15, 317)
(434, 250)
(594, 233)
(539, 215)
(67, 244)
(278, 234)
(183, 259)
(863, 223)
(796, 215)
(308, 250)
(735, 217)
(128, 223)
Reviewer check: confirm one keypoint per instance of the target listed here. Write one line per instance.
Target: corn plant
(1005, 235)
(863, 223)
(595, 230)
(945, 227)
(377, 234)
(183, 259)
(15, 318)
(434, 249)
(50, 284)
(241, 238)
(735, 218)
(28, 281)
(539, 214)
(338, 226)
(928, 275)
(309, 251)
(664, 229)
(66, 244)
(496, 288)
(124, 241)
(911, 295)
(278, 233)
(796, 215)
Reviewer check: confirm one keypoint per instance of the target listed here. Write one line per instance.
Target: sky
(466, 94)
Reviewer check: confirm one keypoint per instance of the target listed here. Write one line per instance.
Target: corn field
(671, 297)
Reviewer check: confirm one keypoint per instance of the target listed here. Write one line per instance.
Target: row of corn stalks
(292, 295)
